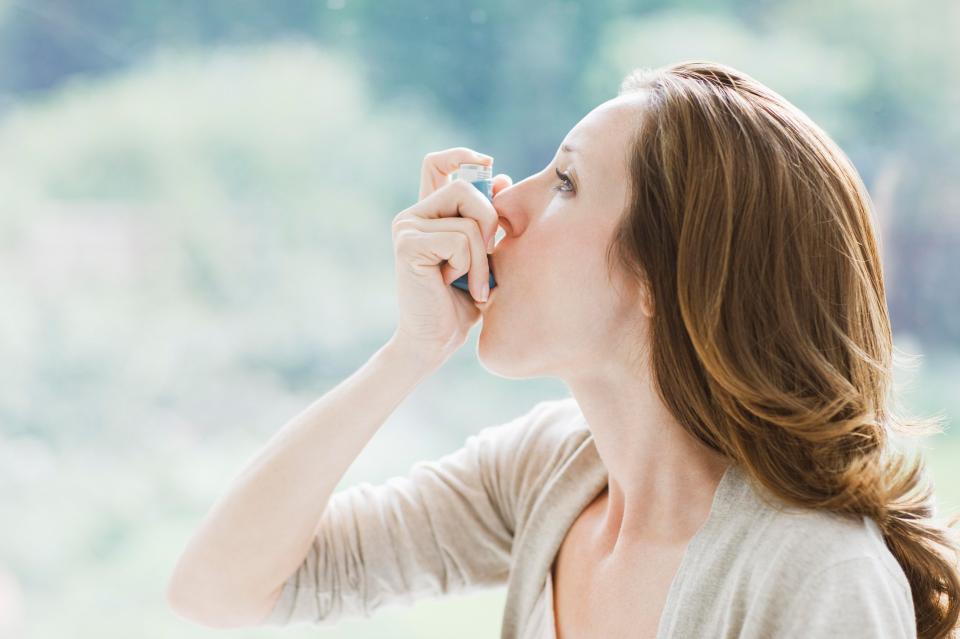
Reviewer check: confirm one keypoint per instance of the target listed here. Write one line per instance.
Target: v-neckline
(718, 508)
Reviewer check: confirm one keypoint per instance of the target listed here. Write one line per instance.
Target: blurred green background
(195, 208)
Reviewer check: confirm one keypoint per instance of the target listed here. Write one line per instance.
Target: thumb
(500, 182)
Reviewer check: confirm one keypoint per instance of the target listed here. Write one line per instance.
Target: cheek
(569, 292)
(560, 281)
(562, 252)
(562, 313)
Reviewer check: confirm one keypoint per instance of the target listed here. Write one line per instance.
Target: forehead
(601, 137)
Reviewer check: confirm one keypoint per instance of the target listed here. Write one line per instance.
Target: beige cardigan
(494, 513)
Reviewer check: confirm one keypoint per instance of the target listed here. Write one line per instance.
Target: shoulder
(551, 429)
(856, 596)
(805, 567)
(555, 428)
(526, 451)
(818, 542)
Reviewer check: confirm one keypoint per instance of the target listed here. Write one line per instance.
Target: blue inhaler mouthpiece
(479, 176)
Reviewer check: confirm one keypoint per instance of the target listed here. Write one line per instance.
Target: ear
(645, 300)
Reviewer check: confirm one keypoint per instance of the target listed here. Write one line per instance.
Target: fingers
(437, 167)
(456, 240)
(458, 198)
(501, 181)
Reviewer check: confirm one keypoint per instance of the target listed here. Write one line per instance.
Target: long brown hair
(771, 342)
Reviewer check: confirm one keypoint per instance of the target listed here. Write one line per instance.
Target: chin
(506, 357)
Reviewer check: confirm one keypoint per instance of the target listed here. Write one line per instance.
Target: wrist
(411, 358)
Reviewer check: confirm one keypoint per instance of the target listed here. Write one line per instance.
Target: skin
(555, 313)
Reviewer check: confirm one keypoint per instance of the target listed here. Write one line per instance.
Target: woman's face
(554, 312)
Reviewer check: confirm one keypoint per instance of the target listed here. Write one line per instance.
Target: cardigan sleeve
(854, 599)
(445, 527)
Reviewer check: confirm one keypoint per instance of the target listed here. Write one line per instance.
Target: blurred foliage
(195, 207)
(223, 205)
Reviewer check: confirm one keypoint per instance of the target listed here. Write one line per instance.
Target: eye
(566, 181)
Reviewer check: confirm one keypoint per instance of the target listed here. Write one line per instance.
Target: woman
(698, 264)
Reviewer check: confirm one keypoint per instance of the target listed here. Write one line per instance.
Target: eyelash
(565, 178)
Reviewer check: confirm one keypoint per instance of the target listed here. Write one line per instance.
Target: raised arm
(445, 527)
(233, 567)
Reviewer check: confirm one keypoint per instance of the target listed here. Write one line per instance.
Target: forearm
(259, 532)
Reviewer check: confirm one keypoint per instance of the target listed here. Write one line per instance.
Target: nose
(508, 201)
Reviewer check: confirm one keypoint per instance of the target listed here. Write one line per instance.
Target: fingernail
(485, 293)
(490, 243)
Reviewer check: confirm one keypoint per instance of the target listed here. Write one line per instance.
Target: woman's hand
(445, 234)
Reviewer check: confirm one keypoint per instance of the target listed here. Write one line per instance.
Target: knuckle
(406, 235)
(469, 227)
(401, 236)
(463, 187)
(403, 223)
(463, 245)
(475, 233)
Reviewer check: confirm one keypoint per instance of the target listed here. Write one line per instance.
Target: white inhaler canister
(478, 175)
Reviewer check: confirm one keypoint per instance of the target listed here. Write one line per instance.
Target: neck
(661, 479)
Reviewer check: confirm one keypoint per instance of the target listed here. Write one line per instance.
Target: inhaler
(478, 175)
